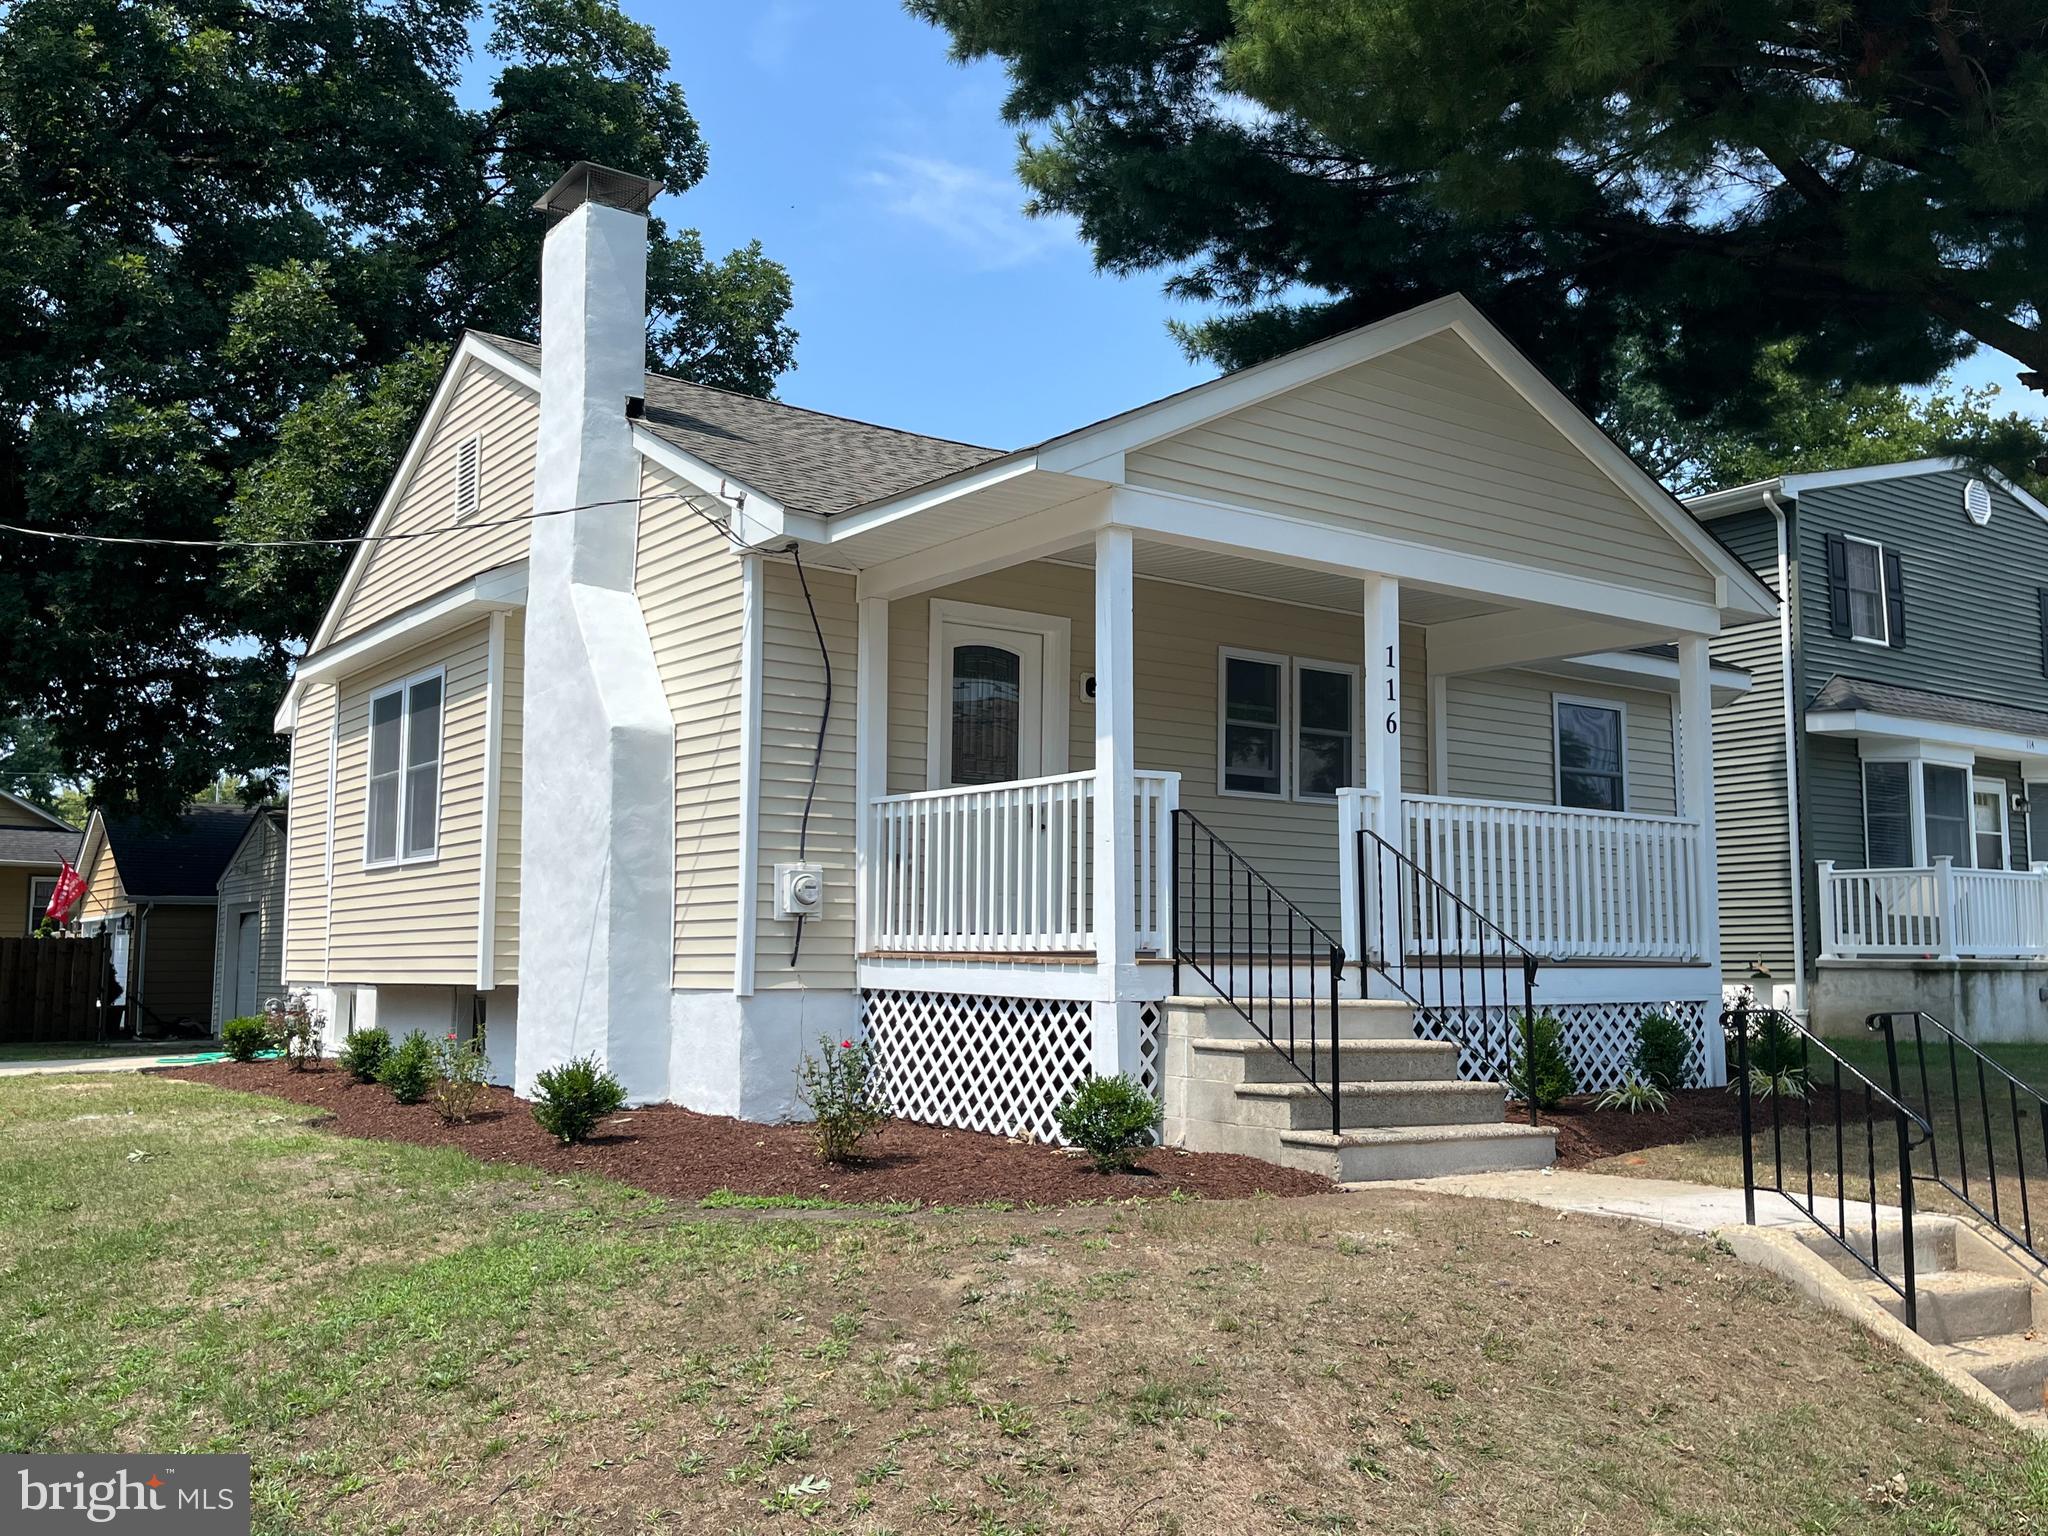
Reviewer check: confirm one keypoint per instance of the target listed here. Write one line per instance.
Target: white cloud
(978, 212)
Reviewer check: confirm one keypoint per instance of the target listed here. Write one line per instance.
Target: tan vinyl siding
(305, 959)
(177, 964)
(793, 686)
(690, 589)
(12, 815)
(413, 923)
(1178, 632)
(255, 879)
(1500, 739)
(505, 920)
(1428, 445)
(104, 895)
(14, 901)
(400, 574)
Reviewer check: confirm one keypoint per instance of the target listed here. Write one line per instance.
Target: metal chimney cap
(588, 182)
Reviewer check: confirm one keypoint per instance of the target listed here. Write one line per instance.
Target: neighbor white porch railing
(1578, 884)
(1938, 910)
(1009, 868)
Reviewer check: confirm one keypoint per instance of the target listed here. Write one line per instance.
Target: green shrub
(459, 1078)
(1663, 1054)
(840, 1091)
(364, 1053)
(1541, 1072)
(247, 1037)
(411, 1069)
(569, 1100)
(1637, 1097)
(1112, 1119)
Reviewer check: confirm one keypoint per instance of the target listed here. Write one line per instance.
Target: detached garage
(248, 946)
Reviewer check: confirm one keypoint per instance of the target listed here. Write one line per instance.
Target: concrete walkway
(1667, 1203)
(96, 1064)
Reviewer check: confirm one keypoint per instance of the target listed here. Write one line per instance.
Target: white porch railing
(1009, 868)
(1577, 884)
(1937, 910)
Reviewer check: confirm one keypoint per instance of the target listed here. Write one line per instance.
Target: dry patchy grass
(409, 1341)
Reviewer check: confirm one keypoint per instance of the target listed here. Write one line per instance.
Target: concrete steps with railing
(1405, 1112)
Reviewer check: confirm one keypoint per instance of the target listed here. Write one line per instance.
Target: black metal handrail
(1225, 911)
(1775, 1080)
(1459, 968)
(2016, 1102)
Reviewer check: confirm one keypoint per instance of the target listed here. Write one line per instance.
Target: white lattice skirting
(1600, 1039)
(997, 1064)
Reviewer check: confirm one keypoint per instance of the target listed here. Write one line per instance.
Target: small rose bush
(298, 1028)
(839, 1088)
(459, 1082)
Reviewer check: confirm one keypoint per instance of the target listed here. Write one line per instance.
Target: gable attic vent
(1977, 502)
(469, 467)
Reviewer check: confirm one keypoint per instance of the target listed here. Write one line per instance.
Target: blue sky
(881, 174)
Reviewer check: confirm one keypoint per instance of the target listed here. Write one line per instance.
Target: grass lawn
(1956, 1108)
(410, 1341)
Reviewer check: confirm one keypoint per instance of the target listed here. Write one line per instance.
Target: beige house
(33, 847)
(1328, 702)
(155, 889)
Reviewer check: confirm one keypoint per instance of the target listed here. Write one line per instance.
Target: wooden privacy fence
(53, 989)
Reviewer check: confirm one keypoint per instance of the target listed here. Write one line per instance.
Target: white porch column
(871, 749)
(1116, 939)
(1696, 783)
(1381, 728)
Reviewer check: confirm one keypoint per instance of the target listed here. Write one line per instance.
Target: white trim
(1984, 786)
(1873, 727)
(327, 902)
(1356, 729)
(1225, 654)
(754, 517)
(1884, 606)
(1915, 834)
(403, 688)
(747, 898)
(1048, 531)
(1590, 701)
(1968, 771)
(1789, 710)
(1742, 498)
(1634, 670)
(36, 810)
(494, 766)
(1055, 681)
(871, 749)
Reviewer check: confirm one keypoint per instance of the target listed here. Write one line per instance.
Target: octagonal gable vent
(1977, 502)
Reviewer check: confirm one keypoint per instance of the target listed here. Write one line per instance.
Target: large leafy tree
(1698, 179)
(236, 240)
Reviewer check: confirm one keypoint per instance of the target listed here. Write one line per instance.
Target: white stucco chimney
(597, 824)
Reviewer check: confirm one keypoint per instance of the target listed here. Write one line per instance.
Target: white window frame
(41, 888)
(1293, 753)
(403, 688)
(1916, 825)
(1883, 637)
(470, 448)
(1979, 786)
(1587, 701)
(1225, 654)
(1056, 680)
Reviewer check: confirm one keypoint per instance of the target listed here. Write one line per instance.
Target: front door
(248, 952)
(991, 685)
(1987, 821)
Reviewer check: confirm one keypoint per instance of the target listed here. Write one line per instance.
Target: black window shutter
(1838, 586)
(1894, 600)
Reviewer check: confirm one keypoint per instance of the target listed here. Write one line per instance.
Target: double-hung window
(1287, 726)
(405, 771)
(41, 888)
(1863, 563)
(1592, 754)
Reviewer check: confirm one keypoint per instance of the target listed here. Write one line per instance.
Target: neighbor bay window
(1915, 812)
(403, 820)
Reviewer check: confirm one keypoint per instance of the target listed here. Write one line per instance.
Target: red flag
(69, 893)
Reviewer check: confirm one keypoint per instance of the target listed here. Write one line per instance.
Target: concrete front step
(1368, 1106)
(2011, 1365)
(1419, 1151)
(1957, 1306)
(1358, 1018)
(1359, 1061)
(1934, 1241)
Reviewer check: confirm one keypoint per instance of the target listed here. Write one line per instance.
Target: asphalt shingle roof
(183, 859)
(807, 460)
(37, 845)
(1840, 692)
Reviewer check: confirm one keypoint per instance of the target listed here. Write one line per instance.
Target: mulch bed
(682, 1154)
(1585, 1135)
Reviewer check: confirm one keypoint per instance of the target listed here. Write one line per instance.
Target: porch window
(988, 690)
(1888, 815)
(1323, 752)
(1865, 569)
(405, 771)
(1948, 814)
(1592, 768)
(1253, 725)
